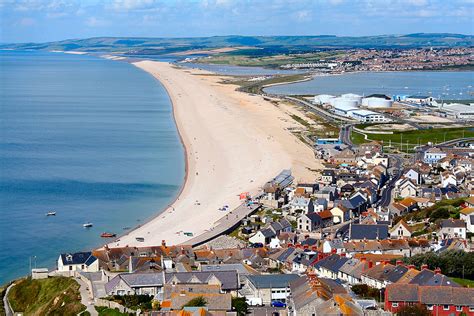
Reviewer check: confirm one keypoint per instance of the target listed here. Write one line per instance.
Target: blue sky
(50, 20)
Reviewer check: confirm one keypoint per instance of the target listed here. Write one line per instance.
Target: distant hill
(289, 44)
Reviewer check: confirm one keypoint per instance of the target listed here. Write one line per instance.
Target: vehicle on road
(278, 304)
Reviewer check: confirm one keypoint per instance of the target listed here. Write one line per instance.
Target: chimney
(437, 270)
(363, 259)
(290, 245)
(371, 264)
(399, 262)
(342, 254)
(298, 245)
(411, 266)
(314, 248)
(163, 243)
(306, 247)
(424, 267)
(333, 250)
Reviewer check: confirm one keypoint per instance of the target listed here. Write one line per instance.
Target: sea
(93, 140)
(443, 85)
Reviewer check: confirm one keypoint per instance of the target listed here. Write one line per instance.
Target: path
(6, 303)
(224, 225)
(85, 297)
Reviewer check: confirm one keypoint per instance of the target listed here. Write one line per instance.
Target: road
(386, 194)
(328, 116)
(345, 135)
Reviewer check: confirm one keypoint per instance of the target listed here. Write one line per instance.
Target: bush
(413, 310)
(143, 302)
(365, 291)
(198, 301)
(239, 304)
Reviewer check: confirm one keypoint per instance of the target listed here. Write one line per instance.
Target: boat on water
(87, 225)
(108, 235)
(51, 213)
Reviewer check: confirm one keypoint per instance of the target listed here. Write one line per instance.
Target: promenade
(225, 224)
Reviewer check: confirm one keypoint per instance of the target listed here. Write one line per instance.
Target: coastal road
(328, 116)
(229, 221)
(345, 135)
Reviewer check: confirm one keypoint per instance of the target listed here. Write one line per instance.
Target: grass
(255, 87)
(52, 296)
(105, 311)
(240, 58)
(435, 135)
(464, 282)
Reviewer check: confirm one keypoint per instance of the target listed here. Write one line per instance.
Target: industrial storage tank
(323, 98)
(352, 96)
(342, 103)
(376, 102)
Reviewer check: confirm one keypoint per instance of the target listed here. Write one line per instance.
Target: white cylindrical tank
(342, 103)
(323, 98)
(352, 96)
(376, 102)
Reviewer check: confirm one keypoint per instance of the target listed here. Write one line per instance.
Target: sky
(52, 20)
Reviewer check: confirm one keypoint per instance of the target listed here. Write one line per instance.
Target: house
(448, 179)
(299, 204)
(413, 175)
(309, 222)
(263, 236)
(328, 176)
(79, 261)
(452, 228)
(176, 296)
(467, 215)
(329, 267)
(282, 226)
(433, 155)
(442, 301)
(368, 232)
(341, 214)
(376, 276)
(400, 230)
(326, 218)
(268, 287)
(351, 271)
(358, 202)
(318, 205)
(309, 188)
(405, 188)
(333, 246)
(328, 192)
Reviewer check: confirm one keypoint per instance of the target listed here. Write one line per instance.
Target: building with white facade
(433, 155)
(458, 111)
(367, 116)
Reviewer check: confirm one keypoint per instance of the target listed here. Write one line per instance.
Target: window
(446, 307)
(471, 308)
(458, 308)
(394, 304)
(70, 268)
(430, 307)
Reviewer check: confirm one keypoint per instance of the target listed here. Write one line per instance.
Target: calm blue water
(92, 139)
(448, 85)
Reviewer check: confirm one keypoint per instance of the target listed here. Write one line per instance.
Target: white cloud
(129, 5)
(26, 22)
(95, 22)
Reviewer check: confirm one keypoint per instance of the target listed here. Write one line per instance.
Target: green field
(52, 296)
(411, 139)
(464, 282)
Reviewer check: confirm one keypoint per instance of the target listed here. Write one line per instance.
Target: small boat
(107, 235)
(87, 225)
(140, 239)
(51, 213)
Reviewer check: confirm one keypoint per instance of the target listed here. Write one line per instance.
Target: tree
(198, 301)
(239, 304)
(413, 310)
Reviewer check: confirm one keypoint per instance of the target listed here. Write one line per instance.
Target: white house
(448, 179)
(400, 230)
(452, 228)
(405, 188)
(413, 175)
(433, 155)
(263, 236)
(79, 261)
(467, 215)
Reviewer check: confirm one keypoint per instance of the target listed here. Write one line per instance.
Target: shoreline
(194, 210)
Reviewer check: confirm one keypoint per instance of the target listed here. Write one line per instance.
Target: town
(380, 231)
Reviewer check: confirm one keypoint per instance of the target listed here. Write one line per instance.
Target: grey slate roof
(266, 281)
(228, 279)
(78, 258)
(370, 232)
(422, 277)
(332, 263)
(402, 292)
(453, 223)
(239, 267)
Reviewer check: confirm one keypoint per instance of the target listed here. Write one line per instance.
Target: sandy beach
(234, 143)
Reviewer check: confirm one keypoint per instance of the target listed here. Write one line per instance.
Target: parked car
(278, 304)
